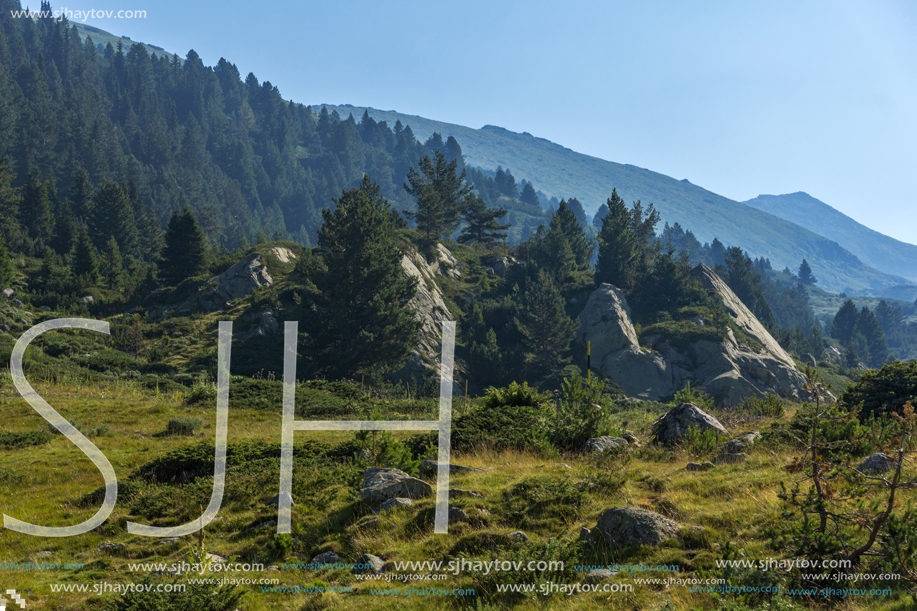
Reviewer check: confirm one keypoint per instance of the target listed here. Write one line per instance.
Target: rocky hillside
(747, 361)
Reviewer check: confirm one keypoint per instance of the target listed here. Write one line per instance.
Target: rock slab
(675, 423)
(622, 526)
(383, 484)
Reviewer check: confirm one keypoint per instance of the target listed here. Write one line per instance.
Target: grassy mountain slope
(872, 247)
(561, 172)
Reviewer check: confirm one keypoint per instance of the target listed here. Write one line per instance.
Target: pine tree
(84, 263)
(717, 253)
(869, 326)
(816, 344)
(482, 223)
(845, 323)
(364, 322)
(805, 274)
(81, 195)
(578, 211)
(185, 252)
(35, 208)
(6, 264)
(617, 246)
(566, 221)
(112, 265)
(441, 194)
(545, 327)
(111, 215)
(10, 230)
(529, 196)
(601, 213)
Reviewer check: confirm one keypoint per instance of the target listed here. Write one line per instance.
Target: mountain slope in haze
(870, 246)
(561, 172)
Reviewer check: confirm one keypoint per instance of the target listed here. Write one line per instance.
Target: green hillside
(563, 173)
(870, 246)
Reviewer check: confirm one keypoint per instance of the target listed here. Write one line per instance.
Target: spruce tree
(566, 221)
(869, 326)
(545, 327)
(84, 263)
(529, 196)
(6, 264)
(185, 252)
(10, 230)
(617, 246)
(599, 215)
(111, 215)
(845, 323)
(363, 322)
(112, 264)
(816, 344)
(35, 208)
(805, 274)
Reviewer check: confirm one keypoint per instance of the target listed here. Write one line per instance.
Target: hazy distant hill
(873, 248)
(561, 172)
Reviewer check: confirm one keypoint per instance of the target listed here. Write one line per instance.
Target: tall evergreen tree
(845, 323)
(482, 223)
(529, 196)
(112, 265)
(185, 252)
(440, 192)
(10, 229)
(83, 260)
(816, 343)
(617, 246)
(35, 208)
(546, 329)
(565, 221)
(578, 211)
(6, 264)
(364, 322)
(111, 215)
(805, 274)
(599, 215)
(81, 195)
(869, 326)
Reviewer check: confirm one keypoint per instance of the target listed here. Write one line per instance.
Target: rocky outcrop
(729, 369)
(606, 323)
(601, 444)
(623, 526)
(877, 464)
(431, 310)
(677, 421)
(384, 484)
(240, 280)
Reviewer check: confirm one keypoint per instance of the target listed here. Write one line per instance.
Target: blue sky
(741, 98)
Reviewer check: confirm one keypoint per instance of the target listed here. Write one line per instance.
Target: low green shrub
(538, 500)
(183, 426)
(14, 440)
(581, 411)
(511, 417)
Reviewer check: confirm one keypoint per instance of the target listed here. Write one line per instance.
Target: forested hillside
(230, 147)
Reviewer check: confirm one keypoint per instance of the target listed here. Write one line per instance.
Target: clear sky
(741, 98)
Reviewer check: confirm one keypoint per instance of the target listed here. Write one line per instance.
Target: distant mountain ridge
(561, 172)
(871, 247)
